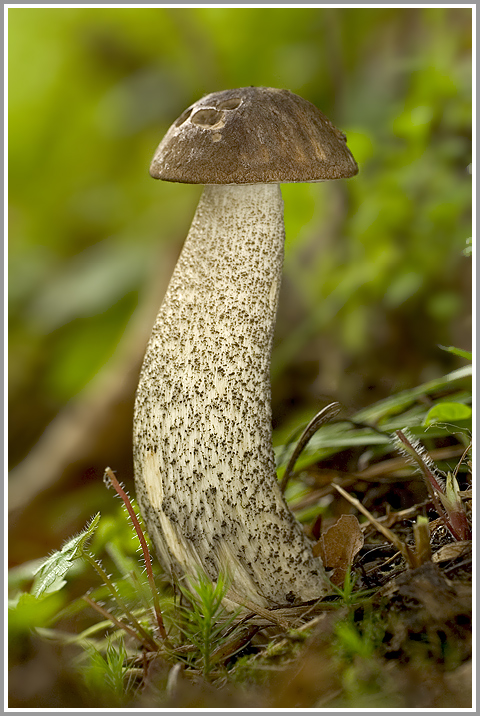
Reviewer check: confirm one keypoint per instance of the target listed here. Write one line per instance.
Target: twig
(374, 473)
(403, 548)
(327, 413)
(392, 517)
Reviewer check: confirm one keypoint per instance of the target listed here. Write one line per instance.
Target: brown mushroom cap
(252, 135)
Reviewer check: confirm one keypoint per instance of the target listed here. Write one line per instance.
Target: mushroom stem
(204, 463)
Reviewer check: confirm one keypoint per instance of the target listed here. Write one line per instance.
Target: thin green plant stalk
(146, 554)
(118, 623)
(108, 582)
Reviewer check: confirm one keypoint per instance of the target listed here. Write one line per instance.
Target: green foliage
(443, 489)
(205, 620)
(347, 592)
(49, 576)
(458, 352)
(373, 425)
(374, 265)
(448, 412)
(359, 638)
(127, 600)
(105, 674)
(356, 650)
(26, 612)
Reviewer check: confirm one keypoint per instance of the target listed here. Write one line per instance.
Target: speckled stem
(204, 464)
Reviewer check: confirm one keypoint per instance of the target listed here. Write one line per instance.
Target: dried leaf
(338, 546)
(403, 548)
(451, 551)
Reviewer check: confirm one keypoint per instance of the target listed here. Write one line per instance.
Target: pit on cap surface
(252, 135)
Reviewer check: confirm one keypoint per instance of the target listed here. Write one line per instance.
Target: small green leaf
(27, 612)
(457, 352)
(49, 576)
(21, 575)
(447, 413)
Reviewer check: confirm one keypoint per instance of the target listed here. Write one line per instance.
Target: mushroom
(204, 464)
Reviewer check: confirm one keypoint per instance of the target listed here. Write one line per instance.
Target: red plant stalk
(148, 563)
(449, 510)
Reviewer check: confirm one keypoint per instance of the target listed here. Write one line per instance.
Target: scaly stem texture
(204, 464)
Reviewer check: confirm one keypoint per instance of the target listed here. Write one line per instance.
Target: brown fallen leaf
(402, 547)
(338, 546)
(451, 551)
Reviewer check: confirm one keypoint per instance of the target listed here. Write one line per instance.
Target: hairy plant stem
(143, 634)
(118, 623)
(146, 554)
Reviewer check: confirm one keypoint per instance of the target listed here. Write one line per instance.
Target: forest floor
(392, 524)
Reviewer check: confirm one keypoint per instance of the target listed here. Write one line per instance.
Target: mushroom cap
(252, 135)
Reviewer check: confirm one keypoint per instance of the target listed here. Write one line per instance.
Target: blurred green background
(375, 276)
